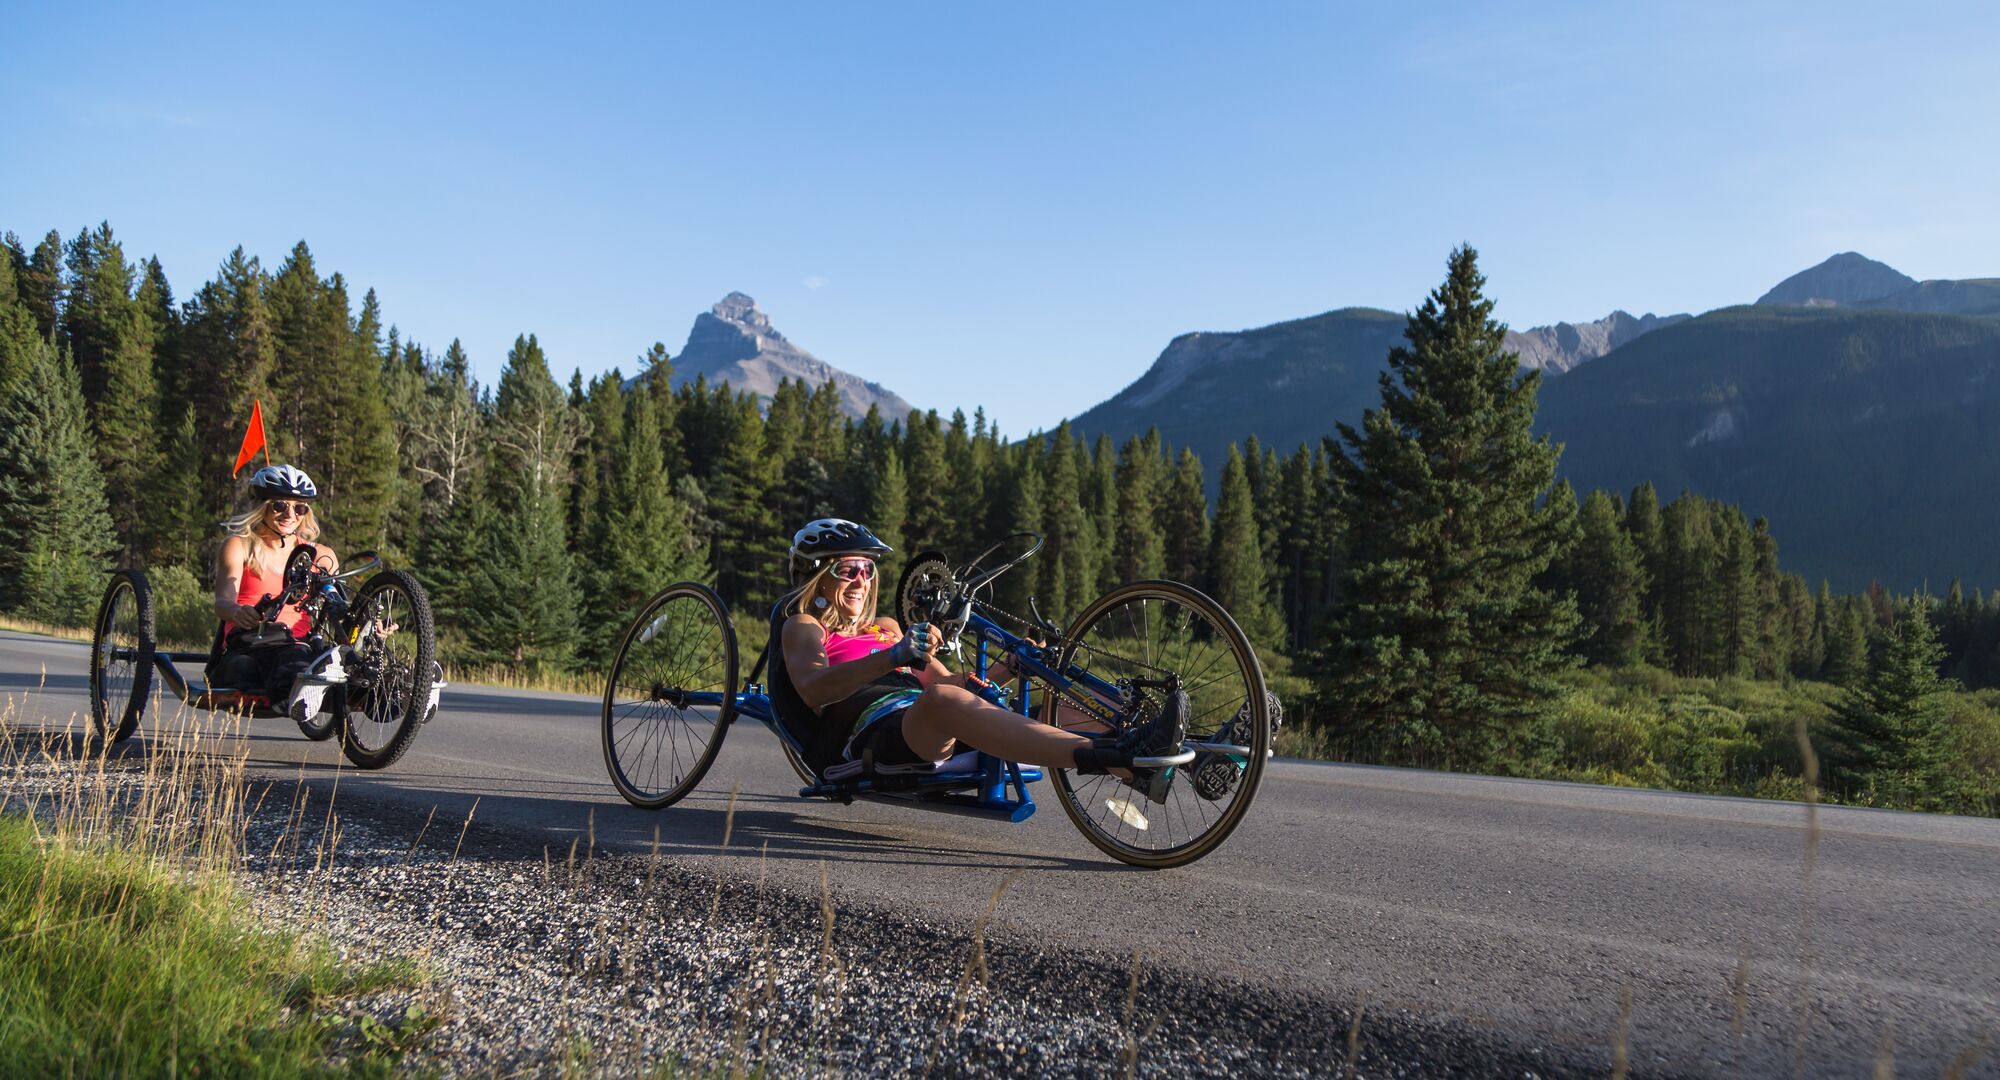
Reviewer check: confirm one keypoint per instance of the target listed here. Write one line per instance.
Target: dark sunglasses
(296, 509)
(854, 570)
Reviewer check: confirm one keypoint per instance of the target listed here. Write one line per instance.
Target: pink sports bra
(841, 648)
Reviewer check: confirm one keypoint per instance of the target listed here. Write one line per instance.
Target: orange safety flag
(253, 439)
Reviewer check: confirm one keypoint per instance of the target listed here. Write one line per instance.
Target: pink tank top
(841, 648)
(252, 587)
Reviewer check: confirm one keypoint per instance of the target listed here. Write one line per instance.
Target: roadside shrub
(1605, 744)
(183, 612)
(1704, 747)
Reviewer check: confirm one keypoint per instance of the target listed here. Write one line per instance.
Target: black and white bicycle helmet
(282, 482)
(832, 538)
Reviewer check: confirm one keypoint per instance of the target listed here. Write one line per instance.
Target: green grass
(112, 965)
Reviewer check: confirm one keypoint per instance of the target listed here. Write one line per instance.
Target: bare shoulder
(234, 553)
(889, 624)
(803, 629)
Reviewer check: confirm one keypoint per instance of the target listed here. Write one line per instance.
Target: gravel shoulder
(547, 960)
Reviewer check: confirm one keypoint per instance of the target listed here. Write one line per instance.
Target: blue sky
(1017, 206)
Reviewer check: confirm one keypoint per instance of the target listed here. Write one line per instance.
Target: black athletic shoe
(1161, 735)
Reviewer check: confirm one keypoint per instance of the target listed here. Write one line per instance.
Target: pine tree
(647, 543)
(1068, 581)
(1236, 558)
(656, 375)
(1771, 654)
(784, 442)
(1100, 505)
(1445, 645)
(1138, 550)
(523, 598)
(179, 523)
(227, 355)
(1809, 645)
(1843, 627)
(18, 338)
(331, 416)
(1297, 560)
(1888, 732)
(1605, 572)
(927, 476)
(594, 495)
(1737, 600)
(967, 502)
(41, 286)
(815, 475)
(1183, 520)
(749, 546)
(55, 530)
(112, 338)
(1690, 557)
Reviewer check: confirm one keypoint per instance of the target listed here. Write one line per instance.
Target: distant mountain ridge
(1857, 408)
(1556, 349)
(1869, 438)
(1842, 280)
(1853, 280)
(734, 342)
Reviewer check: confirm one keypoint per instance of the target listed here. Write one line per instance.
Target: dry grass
(124, 871)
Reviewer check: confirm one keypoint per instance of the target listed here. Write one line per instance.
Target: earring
(819, 602)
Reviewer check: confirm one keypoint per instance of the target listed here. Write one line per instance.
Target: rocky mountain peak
(739, 309)
(1556, 349)
(734, 342)
(1845, 279)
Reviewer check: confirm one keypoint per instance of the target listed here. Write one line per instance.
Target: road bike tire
(389, 675)
(1145, 629)
(657, 744)
(121, 656)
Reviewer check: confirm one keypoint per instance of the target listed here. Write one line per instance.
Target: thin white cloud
(815, 283)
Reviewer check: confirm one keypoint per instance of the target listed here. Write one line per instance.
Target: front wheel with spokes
(1117, 654)
(391, 670)
(121, 656)
(670, 696)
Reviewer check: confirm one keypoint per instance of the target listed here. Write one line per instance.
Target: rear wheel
(121, 656)
(1155, 630)
(670, 696)
(393, 661)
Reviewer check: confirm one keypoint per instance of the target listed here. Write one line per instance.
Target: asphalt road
(1521, 911)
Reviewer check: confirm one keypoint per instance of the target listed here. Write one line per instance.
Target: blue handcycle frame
(993, 787)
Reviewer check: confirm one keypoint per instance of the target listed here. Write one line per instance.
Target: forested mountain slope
(1870, 439)
(1286, 384)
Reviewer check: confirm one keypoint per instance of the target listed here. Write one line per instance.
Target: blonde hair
(831, 617)
(249, 521)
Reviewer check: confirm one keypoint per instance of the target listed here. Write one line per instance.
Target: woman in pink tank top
(250, 569)
(883, 696)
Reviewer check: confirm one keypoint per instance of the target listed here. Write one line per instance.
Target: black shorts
(885, 738)
(270, 670)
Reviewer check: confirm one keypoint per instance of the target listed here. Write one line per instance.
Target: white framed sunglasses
(853, 570)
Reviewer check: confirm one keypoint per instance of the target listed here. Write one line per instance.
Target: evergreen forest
(1421, 588)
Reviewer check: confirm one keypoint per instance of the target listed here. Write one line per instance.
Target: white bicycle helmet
(832, 538)
(282, 482)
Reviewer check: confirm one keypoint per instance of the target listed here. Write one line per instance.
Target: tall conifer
(1183, 519)
(55, 532)
(1445, 645)
(1238, 569)
(1138, 550)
